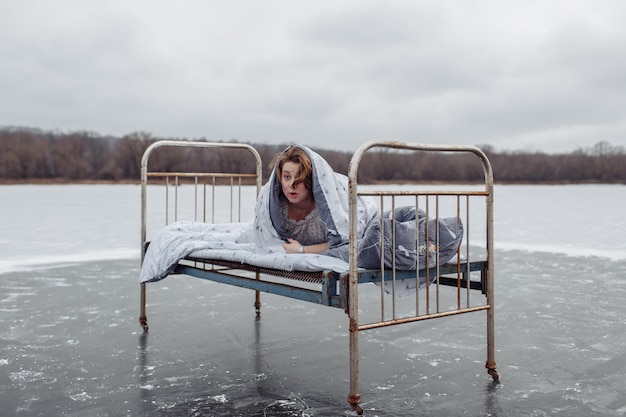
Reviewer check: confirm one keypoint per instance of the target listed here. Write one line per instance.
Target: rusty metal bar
(436, 251)
(393, 256)
(231, 199)
(197, 174)
(467, 243)
(213, 201)
(176, 198)
(382, 260)
(195, 198)
(426, 193)
(143, 319)
(427, 254)
(418, 255)
(411, 319)
(167, 200)
(458, 256)
(239, 205)
(204, 199)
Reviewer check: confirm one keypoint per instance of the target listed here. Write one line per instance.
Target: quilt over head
(330, 191)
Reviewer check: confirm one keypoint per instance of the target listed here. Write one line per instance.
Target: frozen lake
(71, 344)
(53, 224)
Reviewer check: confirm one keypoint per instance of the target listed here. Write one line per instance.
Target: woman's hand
(291, 245)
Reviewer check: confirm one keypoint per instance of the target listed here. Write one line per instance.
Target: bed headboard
(203, 191)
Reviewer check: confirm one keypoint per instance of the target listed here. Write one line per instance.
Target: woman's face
(296, 194)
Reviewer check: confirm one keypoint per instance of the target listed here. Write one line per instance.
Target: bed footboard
(473, 206)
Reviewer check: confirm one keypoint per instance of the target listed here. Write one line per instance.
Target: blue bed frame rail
(334, 287)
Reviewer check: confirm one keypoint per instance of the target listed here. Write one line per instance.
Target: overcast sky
(517, 75)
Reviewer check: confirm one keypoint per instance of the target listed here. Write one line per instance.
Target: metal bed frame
(461, 277)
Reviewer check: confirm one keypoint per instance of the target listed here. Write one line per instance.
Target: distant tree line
(30, 155)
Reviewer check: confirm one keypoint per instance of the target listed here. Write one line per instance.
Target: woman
(300, 217)
(303, 208)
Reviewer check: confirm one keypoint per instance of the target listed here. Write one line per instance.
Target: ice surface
(71, 345)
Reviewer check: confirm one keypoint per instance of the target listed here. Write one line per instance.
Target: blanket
(260, 243)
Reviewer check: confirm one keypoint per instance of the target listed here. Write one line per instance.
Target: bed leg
(143, 319)
(354, 398)
(257, 303)
(491, 370)
(491, 344)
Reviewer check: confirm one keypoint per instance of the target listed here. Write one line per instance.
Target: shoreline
(63, 181)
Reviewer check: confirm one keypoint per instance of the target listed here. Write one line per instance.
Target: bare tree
(125, 158)
(28, 154)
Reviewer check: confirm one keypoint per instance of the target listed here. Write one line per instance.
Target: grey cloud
(366, 29)
(334, 73)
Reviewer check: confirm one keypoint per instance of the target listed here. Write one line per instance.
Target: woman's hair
(297, 156)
